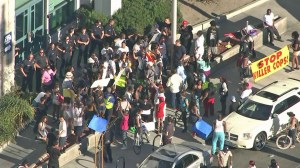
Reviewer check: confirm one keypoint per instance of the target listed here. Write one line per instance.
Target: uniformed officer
(97, 36)
(83, 42)
(66, 51)
(41, 62)
(52, 55)
(73, 42)
(27, 68)
(110, 33)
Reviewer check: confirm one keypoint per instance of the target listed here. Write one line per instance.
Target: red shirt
(124, 122)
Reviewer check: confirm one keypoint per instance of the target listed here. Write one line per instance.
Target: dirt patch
(196, 11)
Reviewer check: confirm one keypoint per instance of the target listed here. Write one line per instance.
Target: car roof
(171, 152)
(275, 90)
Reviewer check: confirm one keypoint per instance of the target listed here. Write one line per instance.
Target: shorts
(212, 50)
(296, 53)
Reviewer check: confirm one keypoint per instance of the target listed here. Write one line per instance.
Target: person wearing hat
(225, 158)
(274, 164)
(292, 128)
(68, 89)
(233, 105)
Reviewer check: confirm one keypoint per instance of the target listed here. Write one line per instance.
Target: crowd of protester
(128, 79)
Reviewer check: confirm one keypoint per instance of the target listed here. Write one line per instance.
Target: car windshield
(255, 110)
(156, 162)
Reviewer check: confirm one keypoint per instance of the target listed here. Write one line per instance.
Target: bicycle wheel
(157, 142)
(283, 142)
(298, 136)
(137, 146)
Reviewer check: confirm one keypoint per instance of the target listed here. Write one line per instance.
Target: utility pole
(174, 31)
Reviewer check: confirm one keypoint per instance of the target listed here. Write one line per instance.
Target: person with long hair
(296, 50)
(223, 91)
(41, 129)
(219, 128)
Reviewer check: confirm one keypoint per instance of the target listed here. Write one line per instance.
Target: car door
(280, 119)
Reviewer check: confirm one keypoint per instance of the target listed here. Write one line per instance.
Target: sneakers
(293, 146)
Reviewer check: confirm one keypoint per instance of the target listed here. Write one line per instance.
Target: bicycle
(156, 143)
(285, 141)
(138, 140)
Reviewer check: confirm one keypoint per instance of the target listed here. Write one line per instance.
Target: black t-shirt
(146, 106)
(66, 46)
(54, 154)
(110, 30)
(169, 128)
(72, 39)
(97, 30)
(179, 52)
(212, 37)
(28, 66)
(52, 54)
(51, 139)
(41, 61)
(83, 37)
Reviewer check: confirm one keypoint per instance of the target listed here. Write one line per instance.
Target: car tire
(260, 141)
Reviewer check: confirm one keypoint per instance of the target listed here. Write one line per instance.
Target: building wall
(7, 25)
(107, 7)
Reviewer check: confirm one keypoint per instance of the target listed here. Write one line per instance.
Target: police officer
(52, 55)
(41, 62)
(27, 68)
(73, 41)
(97, 36)
(110, 33)
(83, 42)
(66, 51)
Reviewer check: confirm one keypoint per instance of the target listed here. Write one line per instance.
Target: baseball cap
(185, 22)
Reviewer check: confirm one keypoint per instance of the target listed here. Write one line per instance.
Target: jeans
(292, 134)
(223, 99)
(218, 136)
(175, 100)
(62, 141)
(124, 138)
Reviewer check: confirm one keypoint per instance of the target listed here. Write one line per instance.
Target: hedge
(135, 16)
(14, 111)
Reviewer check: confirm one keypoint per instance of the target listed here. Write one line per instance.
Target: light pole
(174, 30)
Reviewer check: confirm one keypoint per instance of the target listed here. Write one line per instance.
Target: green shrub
(14, 111)
(137, 16)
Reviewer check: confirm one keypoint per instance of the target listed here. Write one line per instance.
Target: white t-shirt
(63, 128)
(174, 82)
(269, 19)
(199, 45)
(121, 50)
(39, 96)
(76, 115)
(246, 93)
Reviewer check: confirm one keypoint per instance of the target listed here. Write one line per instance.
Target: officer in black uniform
(83, 42)
(73, 42)
(110, 33)
(66, 49)
(41, 62)
(52, 55)
(97, 36)
(27, 68)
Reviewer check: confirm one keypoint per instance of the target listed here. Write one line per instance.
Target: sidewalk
(26, 147)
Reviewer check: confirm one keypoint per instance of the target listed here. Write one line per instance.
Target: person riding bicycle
(138, 126)
(292, 128)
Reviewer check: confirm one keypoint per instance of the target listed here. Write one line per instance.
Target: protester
(233, 107)
(296, 50)
(78, 113)
(223, 91)
(168, 131)
(62, 133)
(268, 22)
(184, 108)
(219, 128)
(175, 82)
(194, 115)
(292, 128)
(274, 164)
(54, 154)
(124, 127)
(179, 53)
(225, 158)
(208, 100)
(212, 41)
(41, 129)
(52, 137)
(160, 113)
(48, 78)
(199, 46)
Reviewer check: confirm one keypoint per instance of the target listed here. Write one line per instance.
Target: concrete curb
(205, 24)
